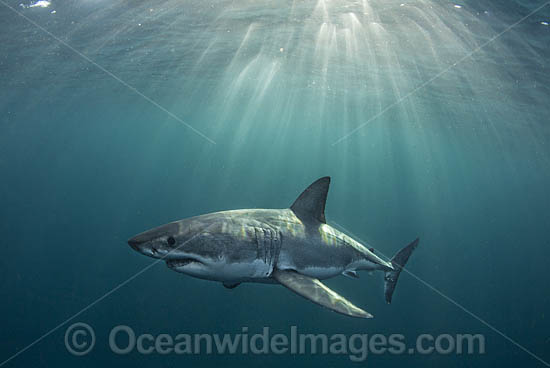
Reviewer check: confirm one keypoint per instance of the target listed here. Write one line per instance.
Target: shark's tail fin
(398, 262)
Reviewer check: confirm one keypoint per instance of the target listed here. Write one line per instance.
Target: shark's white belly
(256, 269)
(317, 271)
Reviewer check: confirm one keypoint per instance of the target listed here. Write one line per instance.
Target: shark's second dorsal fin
(311, 203)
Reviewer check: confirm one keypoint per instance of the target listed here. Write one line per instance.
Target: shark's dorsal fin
(311, 203)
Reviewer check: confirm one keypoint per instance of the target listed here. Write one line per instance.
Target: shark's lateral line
(293, 247)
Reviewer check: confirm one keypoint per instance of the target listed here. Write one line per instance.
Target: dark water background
(462, 162)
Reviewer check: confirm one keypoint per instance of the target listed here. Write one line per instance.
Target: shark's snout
(146, 238)
(134, 243)
(137, 242)
(144, 244)
(158, 242)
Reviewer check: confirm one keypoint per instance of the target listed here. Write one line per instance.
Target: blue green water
(432, 118)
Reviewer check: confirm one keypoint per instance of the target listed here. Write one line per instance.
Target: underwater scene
(246, 183)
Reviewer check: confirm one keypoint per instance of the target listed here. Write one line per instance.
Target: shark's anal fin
(310, 205)
(314, 290)
(229, 285)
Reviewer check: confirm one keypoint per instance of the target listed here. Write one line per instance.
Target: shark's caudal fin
(398, 262)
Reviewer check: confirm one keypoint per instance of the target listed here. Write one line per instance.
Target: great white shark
(293, 247)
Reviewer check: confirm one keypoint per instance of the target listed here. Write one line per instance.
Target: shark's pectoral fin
(230, 285)
(314, 290)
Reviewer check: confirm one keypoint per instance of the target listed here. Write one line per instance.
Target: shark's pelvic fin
(311, 203)
(229, 285)
(351, 274)
(314, 290)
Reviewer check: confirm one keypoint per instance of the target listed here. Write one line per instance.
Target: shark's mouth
(181, 262)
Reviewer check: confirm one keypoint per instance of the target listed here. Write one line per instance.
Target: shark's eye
(171, 240)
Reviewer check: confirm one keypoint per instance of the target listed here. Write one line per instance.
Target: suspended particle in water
(40, 4)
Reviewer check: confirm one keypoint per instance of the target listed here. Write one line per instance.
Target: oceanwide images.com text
(80, 340)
